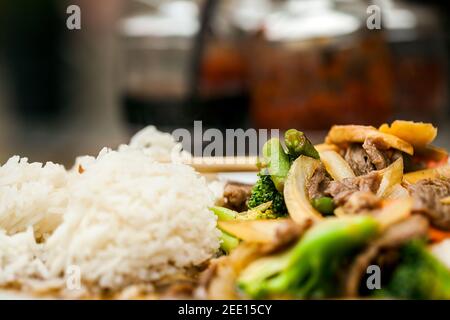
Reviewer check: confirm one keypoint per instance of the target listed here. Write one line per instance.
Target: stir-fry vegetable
(419, 275)
(277, 162)
(259, 231)
(264, 191)
(415, 176)
(263, 211)
(324, 205)
(295, 194)
(298, 144)
(335, 165)
(275, 165)
(315, 266)
(228, 242)
(310, 267)
(392, 176)
(224, 214)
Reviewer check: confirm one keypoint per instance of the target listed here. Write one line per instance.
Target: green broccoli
(264, 191)
(275, 164)
(419, 275)
(311, 267)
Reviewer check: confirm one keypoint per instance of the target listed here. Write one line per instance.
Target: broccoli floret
(419, 275)
(264, 191)
(311, 268)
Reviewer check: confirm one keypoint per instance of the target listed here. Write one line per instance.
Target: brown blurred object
(317, 80)
(223, 69)
(419, 59)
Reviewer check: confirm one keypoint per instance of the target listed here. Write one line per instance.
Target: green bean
(228, 242)
(224, 214)
(277, 162)
(324, 205)
(298, 144)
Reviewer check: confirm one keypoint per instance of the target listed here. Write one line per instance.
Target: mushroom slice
(358, 134)
(295, 193)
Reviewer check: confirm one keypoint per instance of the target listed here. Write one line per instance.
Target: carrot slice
(437, 235)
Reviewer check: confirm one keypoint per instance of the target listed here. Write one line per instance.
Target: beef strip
(235, 196)
(394, 237)
(360, 202)
(342, 190)
(318, 183)
(358, 159)
(378, 158)
(285, 235)
(427, 194)
(370, 156)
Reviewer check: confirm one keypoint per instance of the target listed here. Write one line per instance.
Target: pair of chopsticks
(223, 164)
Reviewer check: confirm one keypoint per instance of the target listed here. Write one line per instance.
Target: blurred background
(306, 64)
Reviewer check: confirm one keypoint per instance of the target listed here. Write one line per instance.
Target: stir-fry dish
(366, 214)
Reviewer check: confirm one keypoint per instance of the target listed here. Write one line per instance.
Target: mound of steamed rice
(125, 219)
(131, 220)
(31, 195)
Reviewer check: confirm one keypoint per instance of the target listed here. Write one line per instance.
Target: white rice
(126, 219)
(130, 219)
(18, 258)
(159, 146)
(31, 195)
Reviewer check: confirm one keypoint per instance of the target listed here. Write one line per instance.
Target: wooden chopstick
(223, 164)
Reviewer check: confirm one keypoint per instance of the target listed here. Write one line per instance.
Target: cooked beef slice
(343, 189)
(369, 156)
(377, 157)
(318, 183)
(235, 196)
(361, 201)
(286, 234)
(358, 159)
(427, 194)
(382, 248)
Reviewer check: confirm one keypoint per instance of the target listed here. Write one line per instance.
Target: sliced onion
(394, 211)
(326, 146)
(295, 193)
(392, 176)
(397, 192)
(335, 165)
(258, 231)
(416, 176)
